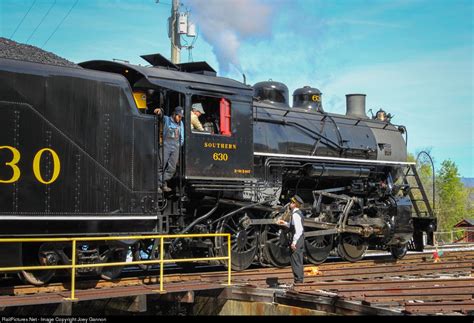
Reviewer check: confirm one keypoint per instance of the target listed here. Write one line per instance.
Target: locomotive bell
(308, 98)
(273, 92)
(355, 105)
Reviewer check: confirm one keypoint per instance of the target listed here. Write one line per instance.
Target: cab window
(211, 115)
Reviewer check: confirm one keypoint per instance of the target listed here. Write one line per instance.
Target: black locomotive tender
(79, 156)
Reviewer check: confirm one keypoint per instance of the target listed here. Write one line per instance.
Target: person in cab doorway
(196, 112)
(296, 238)
(173, 139)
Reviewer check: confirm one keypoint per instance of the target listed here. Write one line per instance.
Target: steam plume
(226, 23)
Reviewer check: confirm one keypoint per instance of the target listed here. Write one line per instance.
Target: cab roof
(167, 73)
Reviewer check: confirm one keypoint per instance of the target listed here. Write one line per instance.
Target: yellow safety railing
(73, 266)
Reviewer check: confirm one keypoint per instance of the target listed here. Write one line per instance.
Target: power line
(59, 25)
(42, 20)
(26, 14)
(163, 3)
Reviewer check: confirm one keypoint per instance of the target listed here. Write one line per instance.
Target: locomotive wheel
(276, 249)
(32, 256)
(351, 247)
(318, 248)
(115, 255)
(398, 252)
(146, 250)
(37, 277)
(243, 241)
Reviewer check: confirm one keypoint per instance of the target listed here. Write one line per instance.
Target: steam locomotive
(80, 154)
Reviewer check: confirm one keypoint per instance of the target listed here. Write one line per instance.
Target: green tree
(470, 202)
(452, 196)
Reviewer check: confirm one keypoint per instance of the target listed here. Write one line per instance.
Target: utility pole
(180, 25)
(174, 35)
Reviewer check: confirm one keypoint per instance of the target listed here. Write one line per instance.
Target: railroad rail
(414, 285)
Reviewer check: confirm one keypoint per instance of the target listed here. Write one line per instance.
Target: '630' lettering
(220, 156)
(16, 172)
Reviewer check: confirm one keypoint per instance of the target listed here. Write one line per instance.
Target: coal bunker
(13, 50)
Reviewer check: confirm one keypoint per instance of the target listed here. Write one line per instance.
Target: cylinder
(355, 105)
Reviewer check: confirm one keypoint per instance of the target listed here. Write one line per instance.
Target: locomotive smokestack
(355, 105)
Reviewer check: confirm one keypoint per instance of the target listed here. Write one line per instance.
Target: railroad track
(413, 285)
(418, 264)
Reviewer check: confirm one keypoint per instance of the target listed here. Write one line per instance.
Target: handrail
(433, 177)
(73, 266)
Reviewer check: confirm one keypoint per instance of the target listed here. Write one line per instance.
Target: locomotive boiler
(345, 165)
(80, 153)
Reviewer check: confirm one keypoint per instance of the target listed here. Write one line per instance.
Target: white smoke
(224, 24)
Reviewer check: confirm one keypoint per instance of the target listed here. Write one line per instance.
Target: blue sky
(413, 58)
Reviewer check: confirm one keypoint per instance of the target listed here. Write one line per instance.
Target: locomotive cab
(224, 148)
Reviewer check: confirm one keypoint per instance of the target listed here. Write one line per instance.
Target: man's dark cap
(179, 111)
(298, 200)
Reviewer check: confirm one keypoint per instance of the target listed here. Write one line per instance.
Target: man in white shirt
(297, 239)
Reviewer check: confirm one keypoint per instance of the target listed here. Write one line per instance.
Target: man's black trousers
(296, 259)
